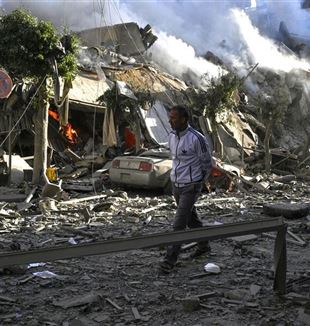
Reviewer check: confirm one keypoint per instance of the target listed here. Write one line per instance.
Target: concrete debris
(77, 301)
(286, 209)
(190, 304)
(254, 289)
(9, 198)
(303, 317)
(237, 295)
(298, 243)
(51, 190)
(136, 313)
(18, 165)
(244, 283)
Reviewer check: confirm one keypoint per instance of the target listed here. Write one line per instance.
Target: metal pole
(280, 260)
(242, 152)
(10, 149)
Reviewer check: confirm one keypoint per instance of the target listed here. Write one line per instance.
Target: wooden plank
(79, 200)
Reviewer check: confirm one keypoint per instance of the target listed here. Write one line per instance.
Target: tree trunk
(40, 139)
(267, 146)
(64, 109)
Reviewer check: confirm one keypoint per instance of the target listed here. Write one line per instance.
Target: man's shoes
(165, 266)
(200, 251)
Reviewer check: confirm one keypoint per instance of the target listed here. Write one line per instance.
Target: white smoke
(263, 50)
(74, 15)
(196, 26)
(180, 59)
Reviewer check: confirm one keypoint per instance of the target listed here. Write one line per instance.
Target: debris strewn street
(126, 288)
(110, 131)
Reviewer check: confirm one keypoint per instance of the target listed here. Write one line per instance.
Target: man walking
(191, 166)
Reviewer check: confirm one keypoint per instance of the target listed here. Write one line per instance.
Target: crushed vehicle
(150, 170)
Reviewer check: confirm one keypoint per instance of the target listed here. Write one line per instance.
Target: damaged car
(150, 170)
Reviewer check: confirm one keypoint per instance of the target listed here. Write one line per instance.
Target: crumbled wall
(290, 91)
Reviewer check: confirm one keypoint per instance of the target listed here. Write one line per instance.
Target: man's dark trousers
(186, 216)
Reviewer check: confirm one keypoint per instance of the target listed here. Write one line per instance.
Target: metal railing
(153, 240)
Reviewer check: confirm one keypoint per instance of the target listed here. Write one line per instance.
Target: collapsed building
(112, 61)
(91, 131)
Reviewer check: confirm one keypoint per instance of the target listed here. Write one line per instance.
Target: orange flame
(70, 133)
(67, 130)
(53, 114)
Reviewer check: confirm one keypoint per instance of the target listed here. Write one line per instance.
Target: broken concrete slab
(190, 304)
(77, 301)
(100, 317)
(136, 313)
(287, 210)
(237, 294)
(285, 178)
(303, 317)
(103, 206)
(79, 200)
(18, 165)
(51, 190)
(12, 198)
(254, 289)
(81, 321)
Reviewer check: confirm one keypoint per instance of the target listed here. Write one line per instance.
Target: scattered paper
(36, 265)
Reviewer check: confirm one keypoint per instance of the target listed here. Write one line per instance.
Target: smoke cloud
(261, 49)
(187, 28)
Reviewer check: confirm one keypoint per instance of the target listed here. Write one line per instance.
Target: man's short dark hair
(182, 111)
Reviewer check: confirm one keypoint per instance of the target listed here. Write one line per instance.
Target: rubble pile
(289, 93)
(126, 288)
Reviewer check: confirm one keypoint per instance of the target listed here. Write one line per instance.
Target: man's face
(177, 123)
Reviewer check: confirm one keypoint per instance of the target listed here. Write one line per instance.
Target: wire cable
(24, 112)
(133, 41)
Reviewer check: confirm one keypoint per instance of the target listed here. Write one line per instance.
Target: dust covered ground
(128, 289)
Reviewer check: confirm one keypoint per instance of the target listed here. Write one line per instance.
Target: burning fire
(67, 130)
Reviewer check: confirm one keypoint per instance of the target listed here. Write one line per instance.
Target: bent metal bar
(206, 233)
